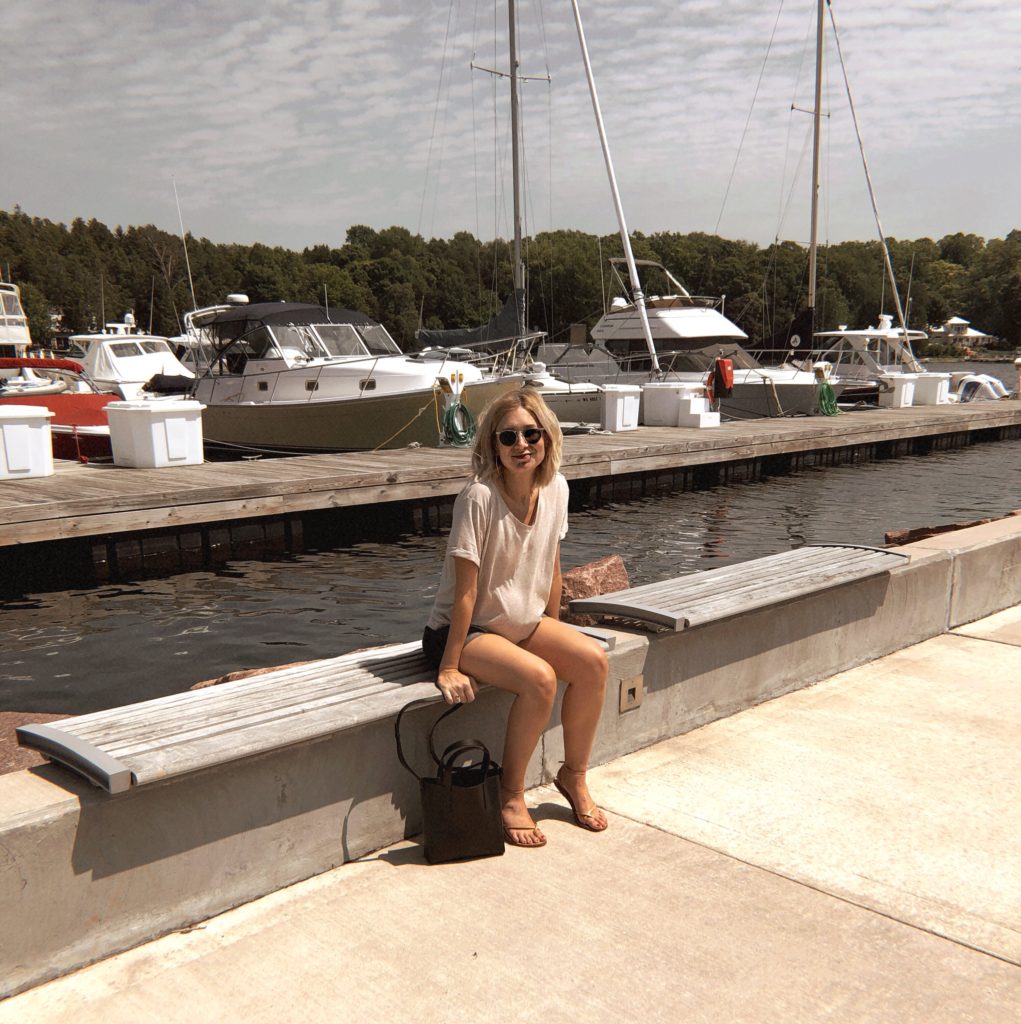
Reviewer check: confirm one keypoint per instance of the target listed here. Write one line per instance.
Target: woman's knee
(540, 682)
(593, 668)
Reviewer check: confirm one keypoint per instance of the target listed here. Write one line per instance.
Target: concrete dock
(844, 852)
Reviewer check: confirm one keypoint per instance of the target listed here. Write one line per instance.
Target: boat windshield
(340, 340)
(378, 340)
(123, 349)
(299, 342)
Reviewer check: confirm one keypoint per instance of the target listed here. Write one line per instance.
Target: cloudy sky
(287, 122)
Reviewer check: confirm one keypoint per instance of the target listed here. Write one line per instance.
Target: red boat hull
(79, 426)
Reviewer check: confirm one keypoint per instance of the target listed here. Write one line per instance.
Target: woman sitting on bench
(496, 614)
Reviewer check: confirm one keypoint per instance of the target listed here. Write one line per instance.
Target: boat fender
(723, 377)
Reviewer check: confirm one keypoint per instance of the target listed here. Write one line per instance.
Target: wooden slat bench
(185, 732)
(703, 597)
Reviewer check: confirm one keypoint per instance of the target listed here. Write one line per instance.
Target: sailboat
(876, 361)
(671, 335)
(504, 345)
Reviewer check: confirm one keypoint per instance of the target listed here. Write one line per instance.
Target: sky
(287, 122)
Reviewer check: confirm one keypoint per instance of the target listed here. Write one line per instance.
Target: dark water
(81, 650)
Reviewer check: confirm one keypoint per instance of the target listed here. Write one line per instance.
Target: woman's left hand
(456, 687)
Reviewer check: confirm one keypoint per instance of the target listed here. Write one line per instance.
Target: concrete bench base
(83, 875)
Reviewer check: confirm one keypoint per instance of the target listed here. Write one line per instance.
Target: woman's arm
(556, 587)
(453, 683)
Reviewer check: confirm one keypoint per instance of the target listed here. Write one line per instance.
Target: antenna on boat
(152, 300)
(636, 286)
(184, 242)
(326, 299)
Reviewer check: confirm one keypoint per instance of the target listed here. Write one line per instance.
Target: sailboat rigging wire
(184, 242)
(868, 176)
(436, 111)
(748, 119)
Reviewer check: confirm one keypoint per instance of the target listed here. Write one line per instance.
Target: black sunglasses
(508, 438)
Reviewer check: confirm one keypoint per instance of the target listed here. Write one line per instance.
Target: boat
(504, 348)
(15, 337)
(287, 377)
(79, 426)
(976, 387)
(673, 336)
(500, 349)
(871, 360)
(867, 360)
(122, 361)
(689, 333)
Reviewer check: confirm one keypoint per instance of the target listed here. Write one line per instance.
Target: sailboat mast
(813, 242)
(636, 285)
(519, 267)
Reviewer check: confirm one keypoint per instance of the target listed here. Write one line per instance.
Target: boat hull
(79, 427)
(756, 396)
(355, 424)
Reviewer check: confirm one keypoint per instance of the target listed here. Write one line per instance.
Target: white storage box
(663, 401)
(901, 393)
(620, 406)
(154, 434)
(932, 389)
(26, 443)
(702, 418)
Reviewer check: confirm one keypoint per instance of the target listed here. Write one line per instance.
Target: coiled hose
(827, 400)
(458, 425)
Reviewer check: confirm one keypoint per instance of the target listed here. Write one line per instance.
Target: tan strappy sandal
(586, 819)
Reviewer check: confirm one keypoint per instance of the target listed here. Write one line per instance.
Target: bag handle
(448, 768)
(397, 730)
(459, 747)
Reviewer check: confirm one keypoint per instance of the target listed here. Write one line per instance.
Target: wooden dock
(96, 500)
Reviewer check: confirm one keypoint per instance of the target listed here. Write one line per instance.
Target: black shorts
(434, 642)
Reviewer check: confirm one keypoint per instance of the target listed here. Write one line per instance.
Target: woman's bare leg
(581, 662)
(495, 660)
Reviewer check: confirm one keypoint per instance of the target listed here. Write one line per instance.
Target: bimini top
(253, 314)
(304, 329)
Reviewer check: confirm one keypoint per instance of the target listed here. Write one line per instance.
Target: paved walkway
(845, 853)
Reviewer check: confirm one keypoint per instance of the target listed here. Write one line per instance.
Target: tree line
(75, 277)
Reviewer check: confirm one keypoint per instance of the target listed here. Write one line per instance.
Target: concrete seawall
(83, 874)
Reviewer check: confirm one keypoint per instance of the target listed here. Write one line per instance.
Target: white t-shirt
(515, 560)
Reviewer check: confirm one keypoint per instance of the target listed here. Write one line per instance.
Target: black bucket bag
(461, 805)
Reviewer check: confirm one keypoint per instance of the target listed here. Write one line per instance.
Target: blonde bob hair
(485, 455)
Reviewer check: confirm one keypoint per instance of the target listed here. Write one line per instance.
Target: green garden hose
(827, 400)
(458, 425)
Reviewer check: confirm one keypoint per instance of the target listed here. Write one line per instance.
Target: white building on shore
(960, 333)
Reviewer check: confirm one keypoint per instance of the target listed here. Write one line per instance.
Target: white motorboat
(293, 377)
(873, 360)
(15, 338)
(690, 334)
(869, 360)
(122, 362)
(976, 387)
